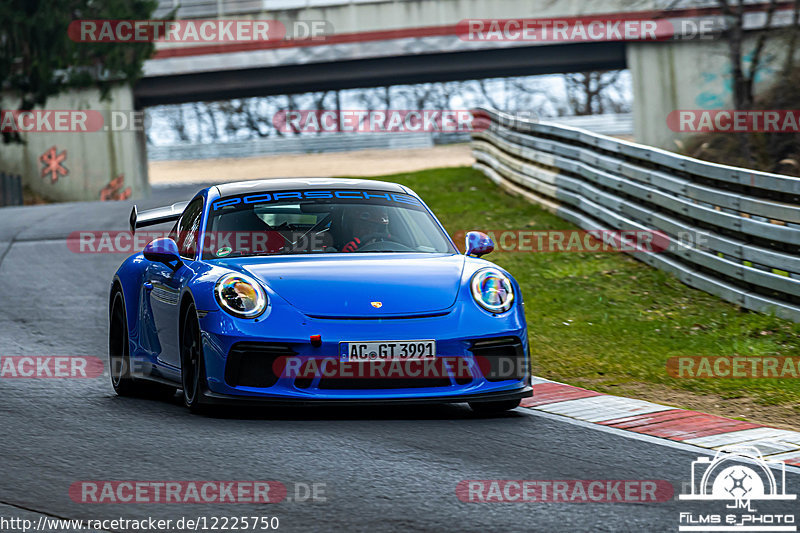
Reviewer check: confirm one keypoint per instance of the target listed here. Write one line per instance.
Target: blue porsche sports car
(315, 291)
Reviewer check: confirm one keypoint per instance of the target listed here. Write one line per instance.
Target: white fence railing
(733, 232)
(621, 124)
(300, 144)
(220, 8)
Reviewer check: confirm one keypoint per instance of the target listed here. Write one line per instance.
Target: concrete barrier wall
(686, 75)
(75, 166)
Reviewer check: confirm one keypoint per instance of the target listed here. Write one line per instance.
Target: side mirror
(163, 251)
(478, 244)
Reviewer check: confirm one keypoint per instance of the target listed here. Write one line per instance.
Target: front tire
(494, 408)
(193, 372)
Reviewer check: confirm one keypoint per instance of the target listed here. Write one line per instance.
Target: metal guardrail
(733, 232)
(10, 189)
(615, 124)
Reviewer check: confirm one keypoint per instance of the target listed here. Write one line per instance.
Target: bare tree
(743, 79)
(794, 35)
(744, 76)
(486, 92)
(423, 96)
(594, 93)
(179, 124)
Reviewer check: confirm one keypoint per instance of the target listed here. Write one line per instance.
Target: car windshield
(321, 221)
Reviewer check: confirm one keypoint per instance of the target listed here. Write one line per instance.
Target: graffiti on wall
(114, 190)
(51, 161)
(717, 87)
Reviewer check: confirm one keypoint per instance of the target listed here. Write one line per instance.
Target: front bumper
(455, 332)
(212, 398)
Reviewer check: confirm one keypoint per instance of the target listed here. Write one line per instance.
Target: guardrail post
(10, 189)
(18, 188)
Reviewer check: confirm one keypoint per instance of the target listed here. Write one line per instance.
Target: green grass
(605, 320)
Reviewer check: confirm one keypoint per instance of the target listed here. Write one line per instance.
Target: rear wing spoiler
(160, 215)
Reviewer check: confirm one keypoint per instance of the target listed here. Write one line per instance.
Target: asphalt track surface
(384, 469)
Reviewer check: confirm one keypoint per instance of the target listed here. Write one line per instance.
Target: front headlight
(240, 296)
(492, 290)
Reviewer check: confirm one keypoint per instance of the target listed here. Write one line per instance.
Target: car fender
(130, 278)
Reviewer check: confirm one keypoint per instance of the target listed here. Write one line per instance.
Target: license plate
(387, 350)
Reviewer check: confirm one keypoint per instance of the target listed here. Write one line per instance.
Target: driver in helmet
(369, 224)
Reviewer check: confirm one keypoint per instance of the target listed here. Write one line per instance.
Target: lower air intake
(501, 358)
(250, 364)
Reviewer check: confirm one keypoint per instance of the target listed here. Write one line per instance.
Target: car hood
(362, 285)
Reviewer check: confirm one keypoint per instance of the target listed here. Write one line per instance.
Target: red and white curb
(680, 425)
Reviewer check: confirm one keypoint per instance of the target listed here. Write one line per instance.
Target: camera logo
(740, 474)
(737, 476)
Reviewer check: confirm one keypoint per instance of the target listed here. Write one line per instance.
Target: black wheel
(119, 360)
(491, 408)
(193, 372)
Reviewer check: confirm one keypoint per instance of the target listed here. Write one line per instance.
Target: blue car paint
(323, 292)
